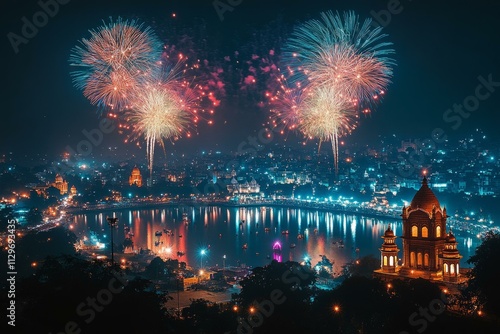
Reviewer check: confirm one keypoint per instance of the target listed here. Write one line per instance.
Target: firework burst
(344, 52)
(114, 61)
(327, 116)
(166, 107)
(285, 102)
(341, 66)
(159, 113)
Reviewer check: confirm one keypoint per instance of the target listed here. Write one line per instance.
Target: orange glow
(336, 308)
(252, 309)
(235, 308)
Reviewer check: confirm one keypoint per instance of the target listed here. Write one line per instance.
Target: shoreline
(143, 206)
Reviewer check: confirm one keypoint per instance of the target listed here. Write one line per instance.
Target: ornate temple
(243, 188)
(428, 251)
(135, 177)
(60, 184)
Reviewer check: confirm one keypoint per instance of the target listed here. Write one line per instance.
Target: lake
(246, 235)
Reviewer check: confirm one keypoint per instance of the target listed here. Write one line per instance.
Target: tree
(203, 316)
(484, 277)
(128, 243)
(156, 268)
(90, 294)
(279, 292)
(36, 246)
(359, 305)
(362, 267)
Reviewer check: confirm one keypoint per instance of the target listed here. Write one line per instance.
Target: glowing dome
(450, 238)
(425, 199)
(389, 232)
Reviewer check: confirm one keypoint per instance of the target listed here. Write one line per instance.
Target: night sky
(441, 49)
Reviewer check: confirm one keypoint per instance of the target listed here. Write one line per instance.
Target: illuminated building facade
(60, 184)
(251, 187)
(135, 177)
(428, 251)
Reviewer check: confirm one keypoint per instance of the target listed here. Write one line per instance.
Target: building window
(391, 261)
(412, 259)
(419, 259)
(425, 232)
(414, 231)
(452, 269)
(446, 268)
(385, 260)
(458, 270)
(438, 231)
(426, 260)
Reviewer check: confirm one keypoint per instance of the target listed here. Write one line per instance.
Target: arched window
(414, 231)
(452, 269)
(446, 267)
(419, 259)
(458, 271)
(412, 259)
(425, 232)
(391, 261)
(438, 231)
(385, 260)
(426, 260)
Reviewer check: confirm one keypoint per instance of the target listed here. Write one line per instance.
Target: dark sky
(441, 49)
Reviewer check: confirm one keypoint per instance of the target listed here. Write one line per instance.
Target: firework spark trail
(327, 116)
(343, 50)
(357, 77)
(310, 39)
(285, 102)
(159, 113)
(113, 61)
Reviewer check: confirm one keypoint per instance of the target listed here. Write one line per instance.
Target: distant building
(135, 177)
(243, 188)
(428, 251)
(60, 184)
(73, 191)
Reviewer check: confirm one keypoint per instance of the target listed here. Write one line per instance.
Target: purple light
(277, 251)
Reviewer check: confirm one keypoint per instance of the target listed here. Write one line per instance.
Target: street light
(113, 222)
(203, 252)
(178, 299)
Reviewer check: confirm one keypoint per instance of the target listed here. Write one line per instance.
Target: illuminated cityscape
(239, 167)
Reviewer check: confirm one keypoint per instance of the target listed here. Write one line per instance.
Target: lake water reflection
(246, 235)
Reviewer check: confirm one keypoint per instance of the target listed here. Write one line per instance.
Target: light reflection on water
(224, 231)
